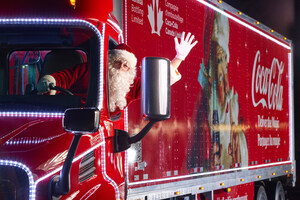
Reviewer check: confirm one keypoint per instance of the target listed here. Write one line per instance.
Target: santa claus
(216, 140)
(124, 87)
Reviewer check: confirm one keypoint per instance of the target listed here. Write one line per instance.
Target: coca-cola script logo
(266, 84)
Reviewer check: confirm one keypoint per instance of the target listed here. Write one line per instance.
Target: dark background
(283, 17)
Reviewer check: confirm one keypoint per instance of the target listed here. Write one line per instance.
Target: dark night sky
(276, 14)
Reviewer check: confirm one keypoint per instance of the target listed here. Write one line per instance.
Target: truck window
(111, 44)
(34, 52)
(27, 67)
(24, 71)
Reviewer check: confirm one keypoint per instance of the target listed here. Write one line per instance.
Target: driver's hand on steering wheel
(45, 84)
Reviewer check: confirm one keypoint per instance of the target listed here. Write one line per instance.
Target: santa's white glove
(184, 47)
(44, 84)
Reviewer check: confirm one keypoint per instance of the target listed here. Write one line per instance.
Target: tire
(279, 192)
(261, 194)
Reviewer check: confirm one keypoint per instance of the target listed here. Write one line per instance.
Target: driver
(124, 87)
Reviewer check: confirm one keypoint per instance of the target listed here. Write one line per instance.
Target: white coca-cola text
(266, 84)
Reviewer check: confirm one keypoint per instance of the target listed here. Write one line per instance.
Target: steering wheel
(30, 89)
(63, 90)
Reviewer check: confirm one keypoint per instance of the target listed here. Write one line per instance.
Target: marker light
(177, 193)
(208, 173)
(220, 1)
(242, 180)
(286, 171)
(73, 3)
(201, 188)
(222, 184)
(272, 31)
(240, 13)
(244, 24)
(257, 22)
(228, 190)
(273, 173)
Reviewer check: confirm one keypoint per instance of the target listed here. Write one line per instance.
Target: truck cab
(34, 143)
(69, 146)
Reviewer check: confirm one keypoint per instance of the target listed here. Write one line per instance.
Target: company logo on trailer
(267, 89)
(155, 16)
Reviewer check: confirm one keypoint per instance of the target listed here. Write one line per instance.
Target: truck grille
(87, 167)
(14, 183)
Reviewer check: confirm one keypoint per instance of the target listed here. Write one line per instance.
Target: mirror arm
(60, 185)
(142, 133)
(122, 139)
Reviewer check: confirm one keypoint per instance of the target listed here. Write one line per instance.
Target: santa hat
(123, 52)
(220, 32)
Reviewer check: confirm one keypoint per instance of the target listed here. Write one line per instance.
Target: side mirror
(155, 100)
(78, 121)
(155, 87)
(81, 120)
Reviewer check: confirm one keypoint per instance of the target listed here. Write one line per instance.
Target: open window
(30, 51)
(111, 44)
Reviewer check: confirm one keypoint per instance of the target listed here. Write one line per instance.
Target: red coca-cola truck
(224, 131)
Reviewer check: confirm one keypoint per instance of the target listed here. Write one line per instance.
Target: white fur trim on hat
(220, 32)
(118, 54)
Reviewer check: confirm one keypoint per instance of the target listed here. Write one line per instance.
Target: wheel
(261, 194)
(63, 90)
(279, 192)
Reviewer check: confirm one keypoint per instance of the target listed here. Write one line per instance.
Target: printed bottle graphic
(215, 132)
(155, 16)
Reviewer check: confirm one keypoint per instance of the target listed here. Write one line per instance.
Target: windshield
(29, 53)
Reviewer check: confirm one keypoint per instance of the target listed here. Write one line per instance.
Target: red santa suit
(76, 80)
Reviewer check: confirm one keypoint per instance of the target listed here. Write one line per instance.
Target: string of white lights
(244, 24)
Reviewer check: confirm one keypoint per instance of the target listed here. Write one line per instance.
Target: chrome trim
(292, 114)
(119, 30)
(210, 173)
(206, 184)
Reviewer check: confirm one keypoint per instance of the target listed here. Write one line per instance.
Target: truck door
(33, 143)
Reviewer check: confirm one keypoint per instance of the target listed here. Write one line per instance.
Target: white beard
(119, 86)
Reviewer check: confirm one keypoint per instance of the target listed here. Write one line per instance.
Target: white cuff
(181, 57)
(50, 79)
